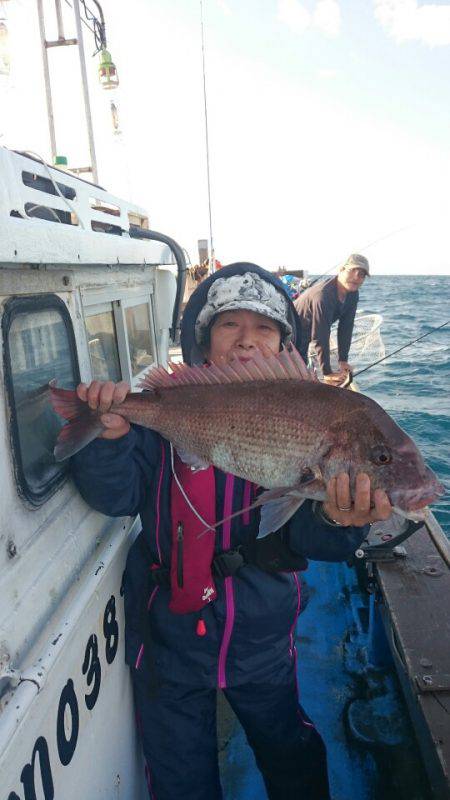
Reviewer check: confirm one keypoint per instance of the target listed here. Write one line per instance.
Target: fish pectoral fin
(314, 489)
(279, 505)
(265, 497)
(194, 462)
(275, 513)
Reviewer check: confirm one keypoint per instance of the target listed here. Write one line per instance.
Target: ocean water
(414, 385)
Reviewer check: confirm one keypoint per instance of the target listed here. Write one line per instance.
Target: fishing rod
(366, 247)
(212, 257)
(413, 341)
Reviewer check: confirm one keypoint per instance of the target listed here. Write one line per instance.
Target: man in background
(323, 304)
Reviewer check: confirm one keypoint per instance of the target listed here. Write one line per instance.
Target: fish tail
(83, 424)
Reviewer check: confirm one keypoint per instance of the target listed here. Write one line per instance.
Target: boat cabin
(83, 296)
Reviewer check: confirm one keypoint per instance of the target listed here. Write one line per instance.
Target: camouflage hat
(355, 261)
(248, 292)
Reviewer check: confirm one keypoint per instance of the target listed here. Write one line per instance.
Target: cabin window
(140, 343)
(102, 343)
(120, 333)
(39, 347)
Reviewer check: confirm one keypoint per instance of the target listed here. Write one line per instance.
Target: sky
(329, 123)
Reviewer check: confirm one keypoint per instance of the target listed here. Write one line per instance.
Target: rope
(178, 483)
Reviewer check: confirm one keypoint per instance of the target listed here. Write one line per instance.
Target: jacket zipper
(229, 591)
(180, 537)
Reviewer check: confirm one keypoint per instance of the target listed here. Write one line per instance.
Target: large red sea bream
(270, 422)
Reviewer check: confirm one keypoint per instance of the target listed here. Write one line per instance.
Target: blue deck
(349, 689)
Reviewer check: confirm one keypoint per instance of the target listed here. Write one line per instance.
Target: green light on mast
(107, 71)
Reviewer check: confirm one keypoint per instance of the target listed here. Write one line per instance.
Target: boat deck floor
(372, 754)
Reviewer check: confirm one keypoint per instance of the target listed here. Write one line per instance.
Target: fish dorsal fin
(287, 365)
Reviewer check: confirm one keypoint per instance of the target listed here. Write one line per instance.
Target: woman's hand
(101, 396)
(339, 506)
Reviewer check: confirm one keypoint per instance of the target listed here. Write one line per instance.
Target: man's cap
(247, 292)
(356, 261)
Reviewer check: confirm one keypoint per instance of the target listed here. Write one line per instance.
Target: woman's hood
(191, 351)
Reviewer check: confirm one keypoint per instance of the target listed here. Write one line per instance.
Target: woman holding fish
(212, 593)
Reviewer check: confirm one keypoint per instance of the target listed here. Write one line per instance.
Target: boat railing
(35, 189)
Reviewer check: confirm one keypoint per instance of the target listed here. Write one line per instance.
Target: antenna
(212, 258)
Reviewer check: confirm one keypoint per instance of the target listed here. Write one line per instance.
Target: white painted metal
(162, 309)
(105, 759)
(84, 83)
(35, 241)
(61, 563)
(48, 90)
(50, 587)
(438, 536)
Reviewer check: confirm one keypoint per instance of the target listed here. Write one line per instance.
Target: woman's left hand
(340, 507)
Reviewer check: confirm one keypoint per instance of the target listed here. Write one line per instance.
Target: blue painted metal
(332, 633)
(348, 687)
(379, 653)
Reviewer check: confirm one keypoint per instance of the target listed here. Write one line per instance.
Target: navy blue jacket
(250, 626)
(318, 307)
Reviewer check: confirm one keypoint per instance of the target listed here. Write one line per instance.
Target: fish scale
(271, 424)
(232, 425)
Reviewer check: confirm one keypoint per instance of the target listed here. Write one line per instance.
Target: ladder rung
(61, 42)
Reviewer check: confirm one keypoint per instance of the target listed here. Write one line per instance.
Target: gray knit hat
(355, 261)
(248, 292)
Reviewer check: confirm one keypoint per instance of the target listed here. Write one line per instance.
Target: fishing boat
(96, 295)
(89, 291)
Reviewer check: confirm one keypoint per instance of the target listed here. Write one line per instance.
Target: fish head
(368, 440)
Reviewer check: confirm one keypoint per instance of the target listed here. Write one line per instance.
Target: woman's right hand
(102, 396)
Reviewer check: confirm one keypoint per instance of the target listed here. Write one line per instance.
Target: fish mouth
(414, 500)
(416, 505)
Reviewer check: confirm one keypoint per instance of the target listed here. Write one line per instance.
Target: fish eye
(381, 455)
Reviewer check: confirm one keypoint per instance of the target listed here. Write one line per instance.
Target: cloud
(294, 15)
(324, 17)
(223, 5)
(327, 17)
(406, 20)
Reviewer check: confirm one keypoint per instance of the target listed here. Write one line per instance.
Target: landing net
(367, 343)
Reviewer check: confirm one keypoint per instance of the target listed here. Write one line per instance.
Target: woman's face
(238, 334)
